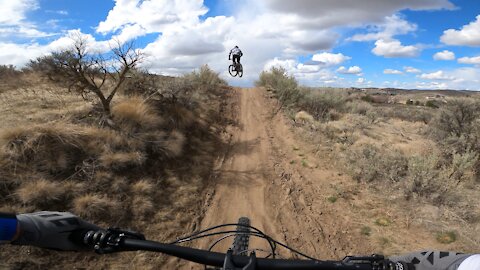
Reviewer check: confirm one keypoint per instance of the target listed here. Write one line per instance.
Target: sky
(411, 44)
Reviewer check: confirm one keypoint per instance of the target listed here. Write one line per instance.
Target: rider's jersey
(236, 51)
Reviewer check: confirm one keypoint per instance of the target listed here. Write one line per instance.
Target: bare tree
(84, 72)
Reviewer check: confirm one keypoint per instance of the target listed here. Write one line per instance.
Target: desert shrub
(456, 127)
(428, 179)
(370, 163)
(432, 104)
(457, 118)
(85, 72)
(409, 102)
(205, 77)
(8, 71)
(284, 86)
(140, 82)
(406, 113)
(367, 98)
(358, 107)
(463, 166)
(319, 103)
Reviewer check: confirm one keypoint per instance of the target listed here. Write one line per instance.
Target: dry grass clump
(122, 160)
(142, 207)
(41, 193)
(143, 187)
(54, 148)
(134, 115)
(97, 207)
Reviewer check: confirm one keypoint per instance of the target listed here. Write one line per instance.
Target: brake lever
(110, 240)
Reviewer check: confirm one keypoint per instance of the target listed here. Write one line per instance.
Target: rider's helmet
(236, 46)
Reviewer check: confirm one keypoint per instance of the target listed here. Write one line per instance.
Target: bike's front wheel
(240, 70)
(232, 71)
(240, 242)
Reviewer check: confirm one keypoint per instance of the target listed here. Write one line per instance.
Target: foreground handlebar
(114, 240)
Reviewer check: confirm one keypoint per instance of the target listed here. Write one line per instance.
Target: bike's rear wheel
(241, 240)
(232, 71)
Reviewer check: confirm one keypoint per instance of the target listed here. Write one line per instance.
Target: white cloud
(14, 23)
(469, 35)
(392, 26)
(469, 60)
(20, 54)
(393, 48)
(392, 71)
(152, 16)
(311, 13)
(411, 70)
(329, 59)
(14, 12)
(438, 75)
(350, 70)
(444, 55)
(361, 80)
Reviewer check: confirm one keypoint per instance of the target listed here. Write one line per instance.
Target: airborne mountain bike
(235, 69)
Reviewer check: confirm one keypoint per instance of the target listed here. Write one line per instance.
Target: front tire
(241, 240)
(232, 71)
(240, 71)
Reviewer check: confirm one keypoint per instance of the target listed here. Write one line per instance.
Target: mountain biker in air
(53, 230)
(237, 54)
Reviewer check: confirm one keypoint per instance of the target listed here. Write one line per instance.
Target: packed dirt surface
(272, 177)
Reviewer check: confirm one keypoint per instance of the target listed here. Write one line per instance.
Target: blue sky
(425, 44)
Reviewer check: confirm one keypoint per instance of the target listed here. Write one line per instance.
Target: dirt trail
(276, 180)
(241, 189)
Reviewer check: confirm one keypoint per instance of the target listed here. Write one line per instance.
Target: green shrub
(358, 107)
(446, 237)
(367, 98)
(406, 113)
(365, 230)
(424, 177)
(284, 86)
(205, 77)
(370, 163)
(457, 118)
(321, 103)
(383, 221)
(431, 104)
(332, 199)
